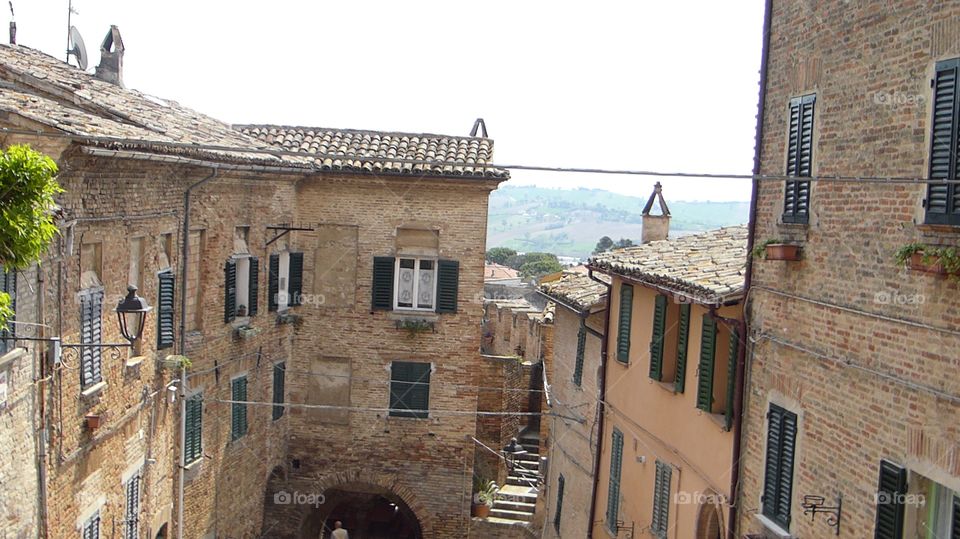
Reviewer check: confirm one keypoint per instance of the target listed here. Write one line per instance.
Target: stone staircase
(516, 501)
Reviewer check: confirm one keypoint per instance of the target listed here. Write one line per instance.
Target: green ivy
(948, 257)
(760, 251)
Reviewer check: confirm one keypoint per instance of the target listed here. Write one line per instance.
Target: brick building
(854, 392)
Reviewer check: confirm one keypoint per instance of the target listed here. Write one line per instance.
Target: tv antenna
(75, 46)
(13, 25)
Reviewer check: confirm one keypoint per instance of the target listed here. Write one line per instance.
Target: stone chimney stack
(656, 227)
(111, 58)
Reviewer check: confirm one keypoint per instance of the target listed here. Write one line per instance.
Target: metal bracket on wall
(814, 504)
(284, 230)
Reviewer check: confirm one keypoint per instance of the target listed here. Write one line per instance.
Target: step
(505, 521)
(528, 507)
(507, 514)
(517, 493)
(521, 481)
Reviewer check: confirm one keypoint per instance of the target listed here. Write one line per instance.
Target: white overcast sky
(665, 86)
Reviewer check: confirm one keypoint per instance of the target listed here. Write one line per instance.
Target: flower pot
(480, 510)
(917, 263)
(782, 251)
(92, 421)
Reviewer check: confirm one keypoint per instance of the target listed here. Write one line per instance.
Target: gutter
(689, 297)
(600, 404)
(740, 377)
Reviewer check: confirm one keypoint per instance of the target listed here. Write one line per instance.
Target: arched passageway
(366, 511)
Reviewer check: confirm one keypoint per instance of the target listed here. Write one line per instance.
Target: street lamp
(131, 312)
(512, 452)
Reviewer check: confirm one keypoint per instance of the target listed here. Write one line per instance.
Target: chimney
(656, 227)
(111, 58)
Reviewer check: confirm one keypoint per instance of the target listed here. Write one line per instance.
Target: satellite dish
(77, 48)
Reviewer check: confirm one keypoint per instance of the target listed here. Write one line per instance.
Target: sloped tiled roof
(383, 153)
(577, 290)
(492, 272)
(708, 267)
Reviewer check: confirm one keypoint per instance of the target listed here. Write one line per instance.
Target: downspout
(740, 376)
(39, 395)
(184, 253)
(600, 403)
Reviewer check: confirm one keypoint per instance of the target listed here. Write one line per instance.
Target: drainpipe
(600, 403)
(39, 395)
(740, 378)
(184, 253)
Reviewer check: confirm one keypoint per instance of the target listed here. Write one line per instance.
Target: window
(238, 410)
(194, 310)
(91, 306)
(279, 375)
(409, 389)
(581, 346)
(943, 200)
(91, 265)
(165, 298)
(912, 506)
(623, 327)
(285, 282)
(661, 500)
(778, 465)
(132, 507)
(240, 275)
(193, 429)
(613, 489)
(8, 284)
(716, 372)
(796, 206)
(556, 516)
(415, 284)
(91, 527)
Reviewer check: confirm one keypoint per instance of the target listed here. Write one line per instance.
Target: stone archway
(709, 522)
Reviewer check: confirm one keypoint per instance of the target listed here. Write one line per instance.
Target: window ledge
(948, 230)
(135, 361)
(666, 386)
(240, 322)
(719, 419)
(429, 316)
(94, 389)
(772, 527)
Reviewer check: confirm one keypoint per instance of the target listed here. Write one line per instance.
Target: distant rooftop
(495, 272)
(577, 290)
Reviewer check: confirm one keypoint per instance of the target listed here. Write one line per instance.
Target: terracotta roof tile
(577, 290)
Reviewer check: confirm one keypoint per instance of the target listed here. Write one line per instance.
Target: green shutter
(229, 290)
(799, 159)
(623, 327)
(193, 431)
(661, 500)
(91, 318)
(656, 341)
(253, 286)
(448, 281)
(733, 350)
(556, 516)
(613, 490)
(383, 270)
(892, 486)
(295, 283)
(708, 348)
(778, 466)
(683, 337)
(410, 389)
(581, 346)
(8, 284)
(279, 380)
(273, 283)
(132, 508)
(165, 299)
(943, 200)
(239, 410)
(955, 534)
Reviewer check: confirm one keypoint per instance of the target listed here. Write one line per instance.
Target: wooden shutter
(273, 283)
(613, 490)
(8, 284)
(892, 486)
(279, 375)
(253, 288)
(409, 389)
(661, 500)
(239, 410)
(383, 270)
(448, 281)
(683, 337)
(623, 325)
(295, 283)
(733, 350)
(132, 508)
(778, 466)
(656, 341)
(193, 433)
(230, 290)
(91, 528)
(943, 200)
(581, 348)
(556, 516)
(955, 533)
(708, 349)
(165, 299)
(91, 308)
(799, 159)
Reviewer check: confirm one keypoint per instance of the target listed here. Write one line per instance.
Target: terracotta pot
(480, 510)
(782, 251)
(916, 263)
(92, 421)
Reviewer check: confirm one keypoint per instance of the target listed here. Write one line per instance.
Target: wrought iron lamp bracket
(815, 504)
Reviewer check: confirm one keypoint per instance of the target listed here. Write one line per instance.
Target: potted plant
(775, 249)
(484, 492)
(176, 362)
(929, 259)
(92, 421)
(415, 327)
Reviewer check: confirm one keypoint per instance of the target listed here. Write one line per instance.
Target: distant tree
(603, 245)
(624, 242)
(539, 266)
(499, 255)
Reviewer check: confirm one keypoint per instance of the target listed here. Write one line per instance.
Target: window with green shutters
(238, 415)
(708, 347)
(8, 284)
(733, 348)
(683, 337)
(561, 483)
(661, 500)
(284, 281)
(415, 284)
(581, 346)
(890, 490)
(410, 389)
(91, 527)
(91, 312)
(613, 489)
(796, 208)
(778, 465)
(624, 322)
(165, 299)
(657, 336)
(131, 518)
(273, 283)
(295, 286)
(279, 379)
(193, 429)
(943, 199)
